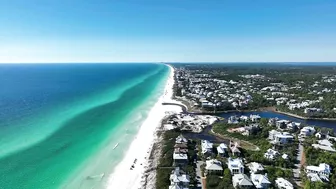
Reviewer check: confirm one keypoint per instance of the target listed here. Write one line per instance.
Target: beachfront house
(214, 166)
(222, 149)
(260, 181)
(318, 173)
(282, 183)
(179, 179)
(206, 147)
(236, 166)
(181, 140)
(241, 181)
(255, 167)
(180, 159)
(271, 154)
(233, 120)
(281, 124)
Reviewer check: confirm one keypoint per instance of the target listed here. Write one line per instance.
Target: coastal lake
(268, 114)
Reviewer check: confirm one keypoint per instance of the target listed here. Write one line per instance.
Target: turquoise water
(59, 123)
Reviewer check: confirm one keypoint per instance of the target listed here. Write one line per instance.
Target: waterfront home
(321, 135)
(179, 179)
(307, 131)
(271, 154)
(214, 166)
(281, 124)
(222, 149)
(243, 118)
(233, 120)
(312, 111)
(241, 181)
(322, 172)
(279, 138)
(272, 121)
(255, 167)
(181, 140)
(236, 166)
(255, 118)
(282, 183)
(180, 159)
(206, 147)
(260, 181)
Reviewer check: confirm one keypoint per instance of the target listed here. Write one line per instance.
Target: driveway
(199, 175)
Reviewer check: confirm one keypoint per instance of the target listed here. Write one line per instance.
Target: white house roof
(235, 162)
(283, 183)
(284, 156)
(254, 167)
(180, 156)
(242, 180)
(221, 148)
(259, 180)
(213, 164)
(181, 139)
(323, 167)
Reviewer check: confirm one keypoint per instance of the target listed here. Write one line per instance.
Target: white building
(255, 118)
(260, 181)
(179, 179)
(282, 183)
(255, 167)
(236, 166)
(241, 181)
(280, 138)
(213, 166)
(222, 149)
(271, 154)
(322, 169)
(206, 147)
(325, 145)
(307, 131)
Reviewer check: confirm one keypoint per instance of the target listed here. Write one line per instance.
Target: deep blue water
(266, 114)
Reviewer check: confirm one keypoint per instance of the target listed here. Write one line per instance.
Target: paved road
(297, 170)
(199, 175)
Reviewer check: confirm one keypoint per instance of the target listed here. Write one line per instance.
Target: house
(180, 159)
(260, 181)
(236, 166)
(307, 131)
(178, 179)
(255, 167)
(271, 154)
(181, 140)
(222, 149)
(281, 124)
(234, 147)
(317, 173)
(312, 111)
(321, 135)
(279, 138)
(241, 181)
(325, 145)
(206, 147)
(285, 156)
(233, 120)
(255, 118)
(272, 121)
(213, 166)
(282, 183)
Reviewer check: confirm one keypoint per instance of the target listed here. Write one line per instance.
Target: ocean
(60, 123)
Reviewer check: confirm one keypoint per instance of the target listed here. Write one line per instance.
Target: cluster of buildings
(209, 90)
(178, 178)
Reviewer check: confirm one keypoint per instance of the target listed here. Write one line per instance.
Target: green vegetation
(165, 166)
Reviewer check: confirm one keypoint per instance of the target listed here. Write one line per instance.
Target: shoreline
(139, 151)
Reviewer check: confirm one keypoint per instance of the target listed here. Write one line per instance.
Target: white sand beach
(138, 153)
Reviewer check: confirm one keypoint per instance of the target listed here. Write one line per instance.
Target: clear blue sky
(167, 30)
